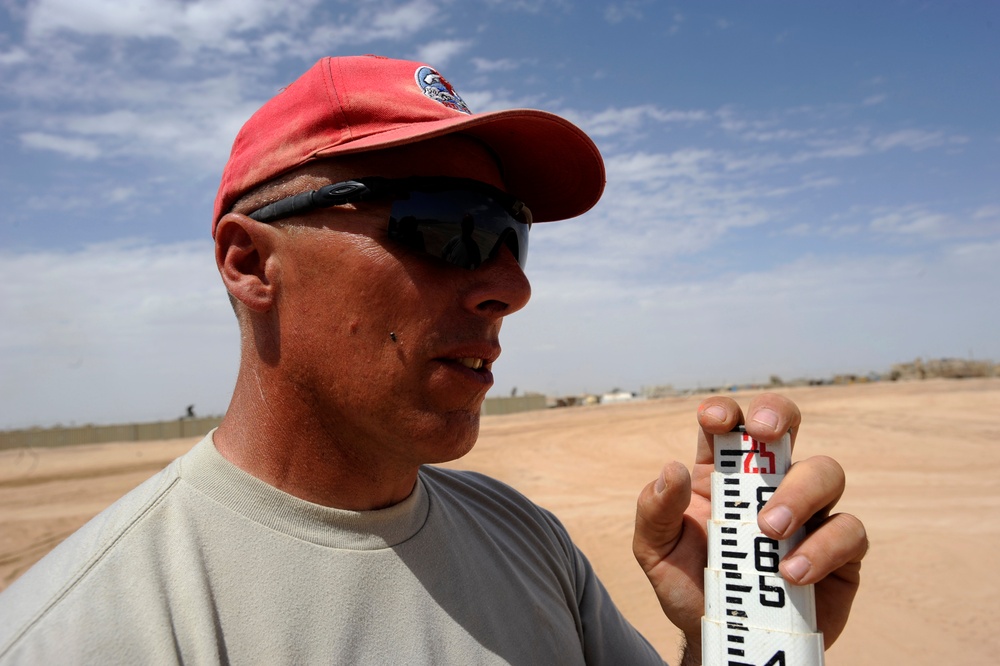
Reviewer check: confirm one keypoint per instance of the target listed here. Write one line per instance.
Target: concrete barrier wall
(523, 403)
(91, 434)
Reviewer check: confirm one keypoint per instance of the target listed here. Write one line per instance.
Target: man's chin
(454, 437)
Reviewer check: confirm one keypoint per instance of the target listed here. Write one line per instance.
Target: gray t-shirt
(205, 564)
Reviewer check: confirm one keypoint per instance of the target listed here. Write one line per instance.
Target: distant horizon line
(918, 369)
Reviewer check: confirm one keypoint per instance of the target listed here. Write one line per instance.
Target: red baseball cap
(362, 103)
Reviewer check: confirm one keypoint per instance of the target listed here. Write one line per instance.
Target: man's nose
(498, 287)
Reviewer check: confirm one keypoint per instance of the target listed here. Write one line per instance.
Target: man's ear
(242, 249)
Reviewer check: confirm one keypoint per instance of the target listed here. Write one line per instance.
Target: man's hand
(670, 540)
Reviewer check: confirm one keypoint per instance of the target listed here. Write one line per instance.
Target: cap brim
(547, 162)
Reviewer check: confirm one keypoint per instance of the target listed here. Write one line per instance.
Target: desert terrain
(922, 461)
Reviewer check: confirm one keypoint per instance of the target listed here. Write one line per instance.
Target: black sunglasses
(461, 221)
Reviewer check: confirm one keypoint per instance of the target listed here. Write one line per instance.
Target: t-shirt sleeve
(605, 636)
(608, 638)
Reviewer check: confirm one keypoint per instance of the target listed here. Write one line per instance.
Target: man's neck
(298, 454)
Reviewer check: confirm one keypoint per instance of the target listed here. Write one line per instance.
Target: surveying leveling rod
(752, 616)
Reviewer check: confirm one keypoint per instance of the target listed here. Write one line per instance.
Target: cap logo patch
(438, 89)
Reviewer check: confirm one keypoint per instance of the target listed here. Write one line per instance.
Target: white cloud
(530, 6)
(439, 53)
(811, 317)
(150, 133)
(656, 169)
(989, 213)
(658, 207)
(915, 139)
(115, 332)
(916, 221)
(120, 194)
(70, 146)
(799, 143)
(175, 79)
(372, 21)
(202, 24)
(913, 221)
(481, 101)
(14, 56)
(675, 24)
(622, 11)
(395, 20)
(807, 129)
(839, 148)
(192, 123)
(495, 65)
(634, 119)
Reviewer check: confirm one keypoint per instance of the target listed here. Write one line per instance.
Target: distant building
(616, 395)
(947, 368)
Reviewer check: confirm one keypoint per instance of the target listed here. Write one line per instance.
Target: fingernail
(661, 484)
(796, 568)
(716, 412)
(767, 417)
(778, 519)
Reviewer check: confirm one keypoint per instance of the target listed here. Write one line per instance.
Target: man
(308, 527)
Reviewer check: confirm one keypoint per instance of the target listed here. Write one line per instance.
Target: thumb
(659, 516)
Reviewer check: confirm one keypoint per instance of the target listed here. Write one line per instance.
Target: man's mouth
(475, 363)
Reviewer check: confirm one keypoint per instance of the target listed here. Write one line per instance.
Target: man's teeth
(473, 363)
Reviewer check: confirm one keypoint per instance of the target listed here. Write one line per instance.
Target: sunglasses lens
(462, 227)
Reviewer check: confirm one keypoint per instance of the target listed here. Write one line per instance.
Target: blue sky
(797, 189)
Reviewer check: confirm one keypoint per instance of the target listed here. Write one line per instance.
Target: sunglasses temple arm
(330, 195)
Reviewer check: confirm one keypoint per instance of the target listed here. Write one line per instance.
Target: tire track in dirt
(83, 474)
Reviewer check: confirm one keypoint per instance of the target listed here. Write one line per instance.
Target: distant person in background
(311, 526)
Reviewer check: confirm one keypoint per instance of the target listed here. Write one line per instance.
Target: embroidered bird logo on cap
(438, 89)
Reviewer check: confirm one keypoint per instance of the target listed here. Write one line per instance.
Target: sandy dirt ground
(923, 465)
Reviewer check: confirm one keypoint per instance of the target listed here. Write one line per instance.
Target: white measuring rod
(752, 616)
